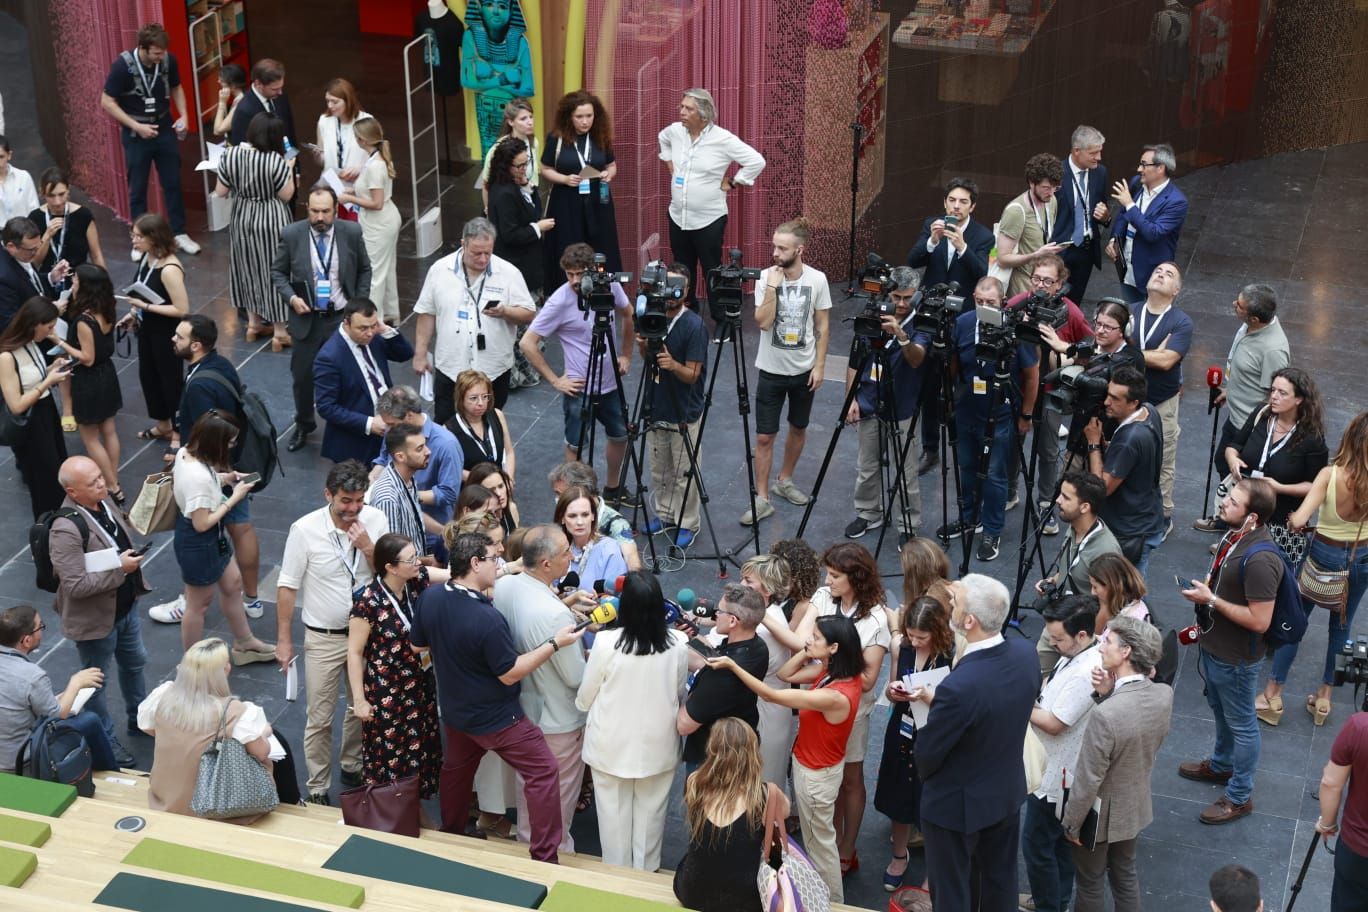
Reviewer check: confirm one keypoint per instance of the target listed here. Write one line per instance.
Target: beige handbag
(1033, 758)
(155, 509)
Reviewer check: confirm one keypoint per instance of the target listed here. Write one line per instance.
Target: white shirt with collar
(18, 197)
(321, 565)
(338, 298)
(950, 251)
(994, 640)
(1080, 179)
(696, 195)
(360, 359)
(457, 306)
(1146, 197)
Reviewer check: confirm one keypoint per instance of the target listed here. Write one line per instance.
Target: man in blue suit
(953, 248)
(350, 374)
(969, 756)
(1083, 211)
(1145, 232)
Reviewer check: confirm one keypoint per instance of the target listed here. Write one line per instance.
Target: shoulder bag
(390, 808)
(155, 509)
(13, 427)
(1328, 588)
(230, 782)
(1003, 273)
(787, 879)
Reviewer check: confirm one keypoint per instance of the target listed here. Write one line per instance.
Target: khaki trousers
(814, 791)
(1168, 416)
(670, 475)
(325, 674)
(869, 480)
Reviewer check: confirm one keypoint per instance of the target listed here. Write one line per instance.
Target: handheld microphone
(605, 612)
(569, 583)
(1214, 378)
(599, 587)
(693, 606)
(619, 583)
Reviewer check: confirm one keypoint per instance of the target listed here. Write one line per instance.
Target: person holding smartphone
(26, 382)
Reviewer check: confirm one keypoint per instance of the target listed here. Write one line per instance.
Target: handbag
(1327, 588)
(391, 807)
(155, 509)
(13, 427)
(230, 782)
(1033, 759)
(787, 879)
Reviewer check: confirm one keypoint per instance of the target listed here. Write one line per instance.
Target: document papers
(911, 682)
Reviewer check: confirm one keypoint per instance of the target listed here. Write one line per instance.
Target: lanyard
(61, 235)
(151, 268)
(586, 154)
(147, 84)
(349, 566)
(1078, 554)
(1081, 188)
(1268, 441)
(405, 612)
(326, 265)
(1065, 662)
(1146, 335)
(583, 560)
(34, 279)
(113, 542)
(1218, 562)
(1046, 225)
(341, 162)
(490, 451)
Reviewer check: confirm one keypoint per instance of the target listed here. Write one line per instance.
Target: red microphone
(619, 583)
(1215, 377)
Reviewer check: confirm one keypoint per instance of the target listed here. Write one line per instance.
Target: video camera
(654, 292)
(876, 284)
(1351, 663)
(940, 306)
(724, 285)
(596, 288)
(1000, 330)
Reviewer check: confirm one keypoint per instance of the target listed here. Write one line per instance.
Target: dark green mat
(34, 796)
(568, 897)
(384, 861)
(148, 894)
(170, 858)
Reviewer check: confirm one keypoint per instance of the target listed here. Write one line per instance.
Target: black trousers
(1079, 261)
(1350, 890)
(38, 454)
(302, 357)
(444, 394)
(973, 871)
(701, 247)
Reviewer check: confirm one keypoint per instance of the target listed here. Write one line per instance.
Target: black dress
(473, 450)
(898, 793)
(160, 370)
(717, 873)
(1288, 462)
(95, 393)
(580, 217)
(42, 448)
(70, 243)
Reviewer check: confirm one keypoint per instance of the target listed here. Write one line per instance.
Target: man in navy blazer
(350, 374)
(953, 251)
(20, 277)
(969, 756)
(1083, 212)
(267, 93)
(1152, 213)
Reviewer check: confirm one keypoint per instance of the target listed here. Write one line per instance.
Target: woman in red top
(832, 663)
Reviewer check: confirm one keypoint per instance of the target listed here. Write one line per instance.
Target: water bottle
(289, 149)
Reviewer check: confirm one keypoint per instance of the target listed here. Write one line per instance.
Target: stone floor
(1256, 221)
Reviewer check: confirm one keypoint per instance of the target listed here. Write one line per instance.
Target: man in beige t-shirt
(1028, 220)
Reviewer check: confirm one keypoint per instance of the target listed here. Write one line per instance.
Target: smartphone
(491, 305)
(1064, 243)
(1182, 583)
(951, 221)
(253, 478)
(703, 648)
(139, 552)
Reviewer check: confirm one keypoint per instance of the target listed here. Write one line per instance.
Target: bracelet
(551, 641)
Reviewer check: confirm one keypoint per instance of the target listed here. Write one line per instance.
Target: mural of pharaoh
(496, 63)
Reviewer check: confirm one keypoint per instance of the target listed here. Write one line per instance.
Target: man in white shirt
(699, 153)
(792, 304)
(1058, 720)
(474, 301)
(535, 612)
(327, 558)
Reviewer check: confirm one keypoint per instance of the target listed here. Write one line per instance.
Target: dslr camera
(596, 288)
(724, 285)
(876, 284)
(1051, 593)
(655, 291)
(1351, 664)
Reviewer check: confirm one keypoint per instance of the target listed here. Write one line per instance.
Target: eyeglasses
(411, 561)
(1145, 164)
(1106, 327)
(42, 625)
(1043, 280)
(721, 611)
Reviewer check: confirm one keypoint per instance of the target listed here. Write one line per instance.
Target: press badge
(584, 188)
(149, 105)
(463, 314)
(322, 293)
(906, 727)
(980, 386)
(679, 181)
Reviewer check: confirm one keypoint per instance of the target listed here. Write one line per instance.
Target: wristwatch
(1094, 448)
(551, 641)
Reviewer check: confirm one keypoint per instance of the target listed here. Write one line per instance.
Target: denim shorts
(203, 556)
(241, 512)
(607, 412)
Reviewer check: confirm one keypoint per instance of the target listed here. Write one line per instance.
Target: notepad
(931, 678)
(215, 152)
(82, 695)
(102, 560)
(143, 293)
(292, 680)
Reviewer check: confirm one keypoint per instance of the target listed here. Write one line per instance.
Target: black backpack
(39, 548)
(57, 752)
(257, 441)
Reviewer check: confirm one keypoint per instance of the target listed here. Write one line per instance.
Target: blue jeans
(92, 729)
(1329, 557)
(1048, 856)
(969, 447)
(123, 645)
(1230, 692)
(140, 155)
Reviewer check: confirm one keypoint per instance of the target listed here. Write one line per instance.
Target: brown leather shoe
(1224, 810)
(1201, 771)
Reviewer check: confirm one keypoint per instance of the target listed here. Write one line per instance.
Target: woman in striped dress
(259, 179)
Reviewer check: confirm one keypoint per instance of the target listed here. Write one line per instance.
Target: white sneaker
(186, 244)
(254, 608)
(168, 612)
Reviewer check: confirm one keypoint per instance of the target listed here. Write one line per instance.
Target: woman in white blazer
(632, 687)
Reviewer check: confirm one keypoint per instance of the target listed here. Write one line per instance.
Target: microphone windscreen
(599, 587)
(619, 583)
(570, 582)
(687, 600)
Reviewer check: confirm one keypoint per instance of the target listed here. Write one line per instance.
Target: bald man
(97, 605)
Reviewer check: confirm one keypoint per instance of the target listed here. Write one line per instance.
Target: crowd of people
(458, 635)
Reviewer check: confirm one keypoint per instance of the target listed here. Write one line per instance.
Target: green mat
(568, 897)
(384, 861)
(23, 831)
(34, 796)
(171, 858)
(15, 866)
(147, 894)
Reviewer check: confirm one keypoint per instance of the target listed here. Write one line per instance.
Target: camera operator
(1048, 276)
(1347, 766)
(792, 310)
(1081, 495)
(905, 352)
(676, 399)
(1130, 467)
(952, 249)
(972, 413)
(1163, 333)
(565, 316)
(1235, 605)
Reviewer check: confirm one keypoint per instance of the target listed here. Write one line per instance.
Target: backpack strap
(222, 381)
(77, 520)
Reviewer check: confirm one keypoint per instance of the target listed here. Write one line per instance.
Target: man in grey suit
(1123, 735)
(319, 265)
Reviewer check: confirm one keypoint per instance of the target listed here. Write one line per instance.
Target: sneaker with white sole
(860, 526)
(988, 547)
(186, 244)
(254, 608)
(763, 508)
(168, 612)
(786, 489)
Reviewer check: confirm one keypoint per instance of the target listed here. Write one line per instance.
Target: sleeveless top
(820, 744)
(475, 450)
(1330, 524)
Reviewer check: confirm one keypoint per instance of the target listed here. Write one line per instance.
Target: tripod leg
(831, 445)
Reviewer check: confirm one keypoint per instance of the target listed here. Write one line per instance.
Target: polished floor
(1257, 221)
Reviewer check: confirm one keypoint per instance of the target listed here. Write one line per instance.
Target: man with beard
(394, 492)
(327, 558)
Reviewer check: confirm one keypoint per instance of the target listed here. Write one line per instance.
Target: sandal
(1271, 711)
(586, 797)
(892, 881)
(154, 433)
(1319, 708)
(495, 825)
(68, 424)
(117, 495)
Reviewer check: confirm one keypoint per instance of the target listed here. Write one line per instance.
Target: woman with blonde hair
(926, 572)
(784, 631)
(373, 192)
(184, 716)
(724, 805)
(518, 123)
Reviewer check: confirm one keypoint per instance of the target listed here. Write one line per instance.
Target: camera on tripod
(1351, 663)
(940, 306)
(724, 284)
(654, 292)
(1079, 390)
(876, 284)
(596, 288)
(1040, 307)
